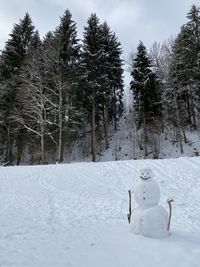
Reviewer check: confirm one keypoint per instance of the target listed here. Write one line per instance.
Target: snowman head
(145, 174)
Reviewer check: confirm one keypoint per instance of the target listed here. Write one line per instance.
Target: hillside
(124, 144)
(75, 215)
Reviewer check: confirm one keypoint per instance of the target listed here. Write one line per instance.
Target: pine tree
(191, 58)
(115, 71)
(69, 54)
(185, 67)
(146, 93)
(91, 60)
(12, 60)
(16, 47)
(192, 42)
(103, 88)
(112, 82)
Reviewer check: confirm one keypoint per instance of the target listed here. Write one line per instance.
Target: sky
(131, 20)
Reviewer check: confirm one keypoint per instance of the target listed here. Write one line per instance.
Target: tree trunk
(192, 109)
(93, 131)
(145, 138)
(9, 154)
(106, 126)
(179, 126)
(42, 127)
(42, 146)
(60, 158)
(115, 111)
(188, 107)
(19, 146)
(184, 136)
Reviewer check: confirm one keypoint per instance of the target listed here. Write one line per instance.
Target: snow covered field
(76, 215)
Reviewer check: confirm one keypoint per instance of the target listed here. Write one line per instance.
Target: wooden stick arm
(169, 201)
(130, 211)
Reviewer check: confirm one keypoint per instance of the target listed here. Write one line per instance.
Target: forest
(59, 91)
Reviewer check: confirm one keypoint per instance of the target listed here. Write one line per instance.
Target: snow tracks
(75, 215)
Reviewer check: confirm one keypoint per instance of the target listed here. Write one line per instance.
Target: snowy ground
(124, 145)
(75, 215)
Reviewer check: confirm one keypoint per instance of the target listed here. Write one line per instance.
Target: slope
(75, 215)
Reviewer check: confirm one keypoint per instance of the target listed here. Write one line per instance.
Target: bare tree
(36, 102)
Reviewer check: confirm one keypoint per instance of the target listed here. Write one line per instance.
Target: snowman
(149, 218)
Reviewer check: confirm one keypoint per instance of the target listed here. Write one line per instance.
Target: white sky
(131, 20)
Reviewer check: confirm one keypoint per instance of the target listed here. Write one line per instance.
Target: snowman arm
(130, 210)
(169, 201)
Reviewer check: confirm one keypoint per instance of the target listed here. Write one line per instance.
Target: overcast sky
(131, 20)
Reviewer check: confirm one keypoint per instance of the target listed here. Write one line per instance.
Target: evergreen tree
(16, 47)
(191, 48)
(35, 42)
(92, 55)
(112, 82)
(68, 61)
(114, 70)
(185, 71)
(146, 93)
(103, 88)
(12, 60)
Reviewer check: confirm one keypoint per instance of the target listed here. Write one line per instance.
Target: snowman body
(149, 218)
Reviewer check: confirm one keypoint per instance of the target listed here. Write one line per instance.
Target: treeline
(166, 88)
(55, 90)
(60, 89)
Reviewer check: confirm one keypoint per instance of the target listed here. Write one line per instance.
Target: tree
(115, 74)
(53, 88)
(50, 78)
(35, 98)
(185, 66)
(146, 93)
(103, 87)
(160, 55)
(91, 59)
(12, 59)
(112, 79)
(68, 54)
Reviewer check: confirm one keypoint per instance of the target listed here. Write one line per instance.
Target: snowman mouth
(144, 178)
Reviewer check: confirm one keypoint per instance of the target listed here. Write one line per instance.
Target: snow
(126, 143)
(151, 222)
(75, 215)
(147, 193)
